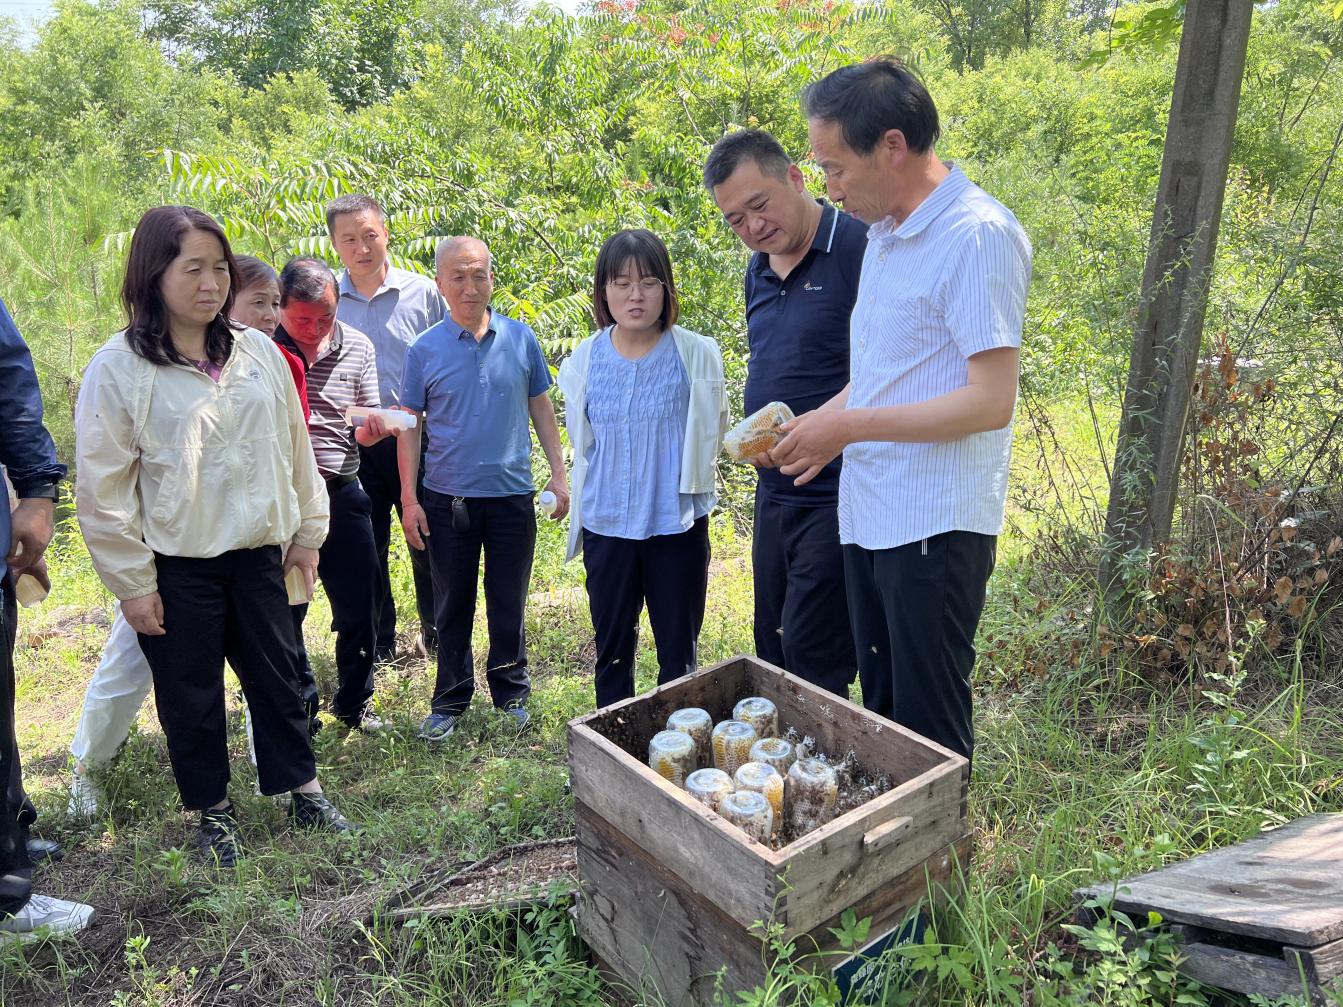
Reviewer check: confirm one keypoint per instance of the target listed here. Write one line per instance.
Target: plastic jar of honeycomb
(671, 754)
(732, 741)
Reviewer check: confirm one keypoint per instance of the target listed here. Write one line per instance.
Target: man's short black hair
(868, 99)
(745, 145)
(307, 279)
(356, 203)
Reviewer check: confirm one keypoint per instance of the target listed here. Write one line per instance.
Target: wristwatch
(40, 491)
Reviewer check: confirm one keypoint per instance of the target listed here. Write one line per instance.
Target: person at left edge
(477, 377)
(341, 372)
(391, 306)
(28, 456)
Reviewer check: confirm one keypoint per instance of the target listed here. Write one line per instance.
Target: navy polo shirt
(474, 399)
(798, 333)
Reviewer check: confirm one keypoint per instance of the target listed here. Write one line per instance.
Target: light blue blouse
(637, 410)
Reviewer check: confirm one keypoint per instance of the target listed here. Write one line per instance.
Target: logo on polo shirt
(810, 286)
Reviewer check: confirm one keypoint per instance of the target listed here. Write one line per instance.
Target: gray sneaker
(45, 916)
(437, 727)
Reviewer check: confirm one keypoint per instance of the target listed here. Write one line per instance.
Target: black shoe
(315, 811)
(44, 849)
(217, 836)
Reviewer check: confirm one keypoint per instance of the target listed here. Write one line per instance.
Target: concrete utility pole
(1169, 330)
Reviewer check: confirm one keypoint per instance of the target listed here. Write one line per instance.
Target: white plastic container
(547, 501)
(750, 812)
(671, 754)
(732, 741)
(29, 590)
(395, 419)
(763, 779)
(760, 713)
(699, 725)
(709, 787)
(775, 752)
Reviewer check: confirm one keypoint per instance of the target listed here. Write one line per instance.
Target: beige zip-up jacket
(169, 461)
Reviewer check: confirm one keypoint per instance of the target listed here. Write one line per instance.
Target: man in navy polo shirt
(477, 377)
(800, 289)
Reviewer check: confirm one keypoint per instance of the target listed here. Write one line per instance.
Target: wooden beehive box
(1264, 916)
(669, 890)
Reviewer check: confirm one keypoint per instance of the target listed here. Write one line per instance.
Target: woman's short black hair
(157, 241)
(867, 99)
(645, 251)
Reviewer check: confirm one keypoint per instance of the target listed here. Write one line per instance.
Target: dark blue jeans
(504, 528)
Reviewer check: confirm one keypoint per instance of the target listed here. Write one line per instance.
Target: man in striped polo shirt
(341, 372)
(925, 423)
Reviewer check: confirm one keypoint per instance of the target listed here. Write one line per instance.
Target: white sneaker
(83, 803)
(45, 916)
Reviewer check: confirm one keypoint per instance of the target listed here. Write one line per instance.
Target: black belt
(336, 482)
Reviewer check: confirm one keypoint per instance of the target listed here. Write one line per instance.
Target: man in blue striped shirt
(800, 287)
(925, 422)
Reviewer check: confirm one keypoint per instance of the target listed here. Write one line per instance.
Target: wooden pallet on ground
(1264, 916)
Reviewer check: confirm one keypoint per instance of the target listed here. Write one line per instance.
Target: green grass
(1075, 780)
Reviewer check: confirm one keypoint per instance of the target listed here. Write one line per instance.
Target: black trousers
(16, 871)
(668, 572)
(348, 567)
(915, 610)
(382, 482)
(307, 682)
(505, 529)
(801, 605)
(230, 606)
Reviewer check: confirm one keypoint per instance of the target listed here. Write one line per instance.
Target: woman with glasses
(646, 408)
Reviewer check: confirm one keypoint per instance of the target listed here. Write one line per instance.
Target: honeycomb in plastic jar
(749, 812)
(763, 779)
(671, 754)
(709, 787)
(758, 433)
(774, 752)
(810, 792)
(732, 741)
(699, 725)
(760, 713)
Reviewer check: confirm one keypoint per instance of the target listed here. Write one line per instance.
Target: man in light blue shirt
(925, 421)
(391, 306)
(475, 380)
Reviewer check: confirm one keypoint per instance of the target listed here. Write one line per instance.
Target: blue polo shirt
(798, 332)
(474, 399)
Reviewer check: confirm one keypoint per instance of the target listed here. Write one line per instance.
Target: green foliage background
(543, 133)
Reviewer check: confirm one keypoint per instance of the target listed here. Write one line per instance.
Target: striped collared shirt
(344, 374)
(947, 283)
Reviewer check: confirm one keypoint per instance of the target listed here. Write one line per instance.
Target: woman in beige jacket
(197, 493)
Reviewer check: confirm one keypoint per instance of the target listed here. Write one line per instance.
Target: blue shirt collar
(823, 241)
(458, 332)
(392, 281)
(946, 193)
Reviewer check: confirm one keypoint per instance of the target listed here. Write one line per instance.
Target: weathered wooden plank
(682, 835)
(832, 868)
(1240, 971)
(660, 936)
(1322, 964)
(1284, 886)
